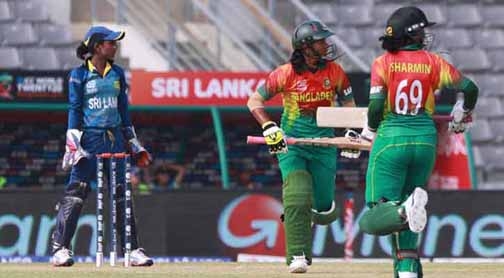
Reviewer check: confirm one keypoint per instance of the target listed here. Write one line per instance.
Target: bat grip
(255, 140)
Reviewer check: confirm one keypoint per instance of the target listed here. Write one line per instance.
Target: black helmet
(310, 31)
(405, 22)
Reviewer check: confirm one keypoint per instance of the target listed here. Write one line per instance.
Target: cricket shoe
(62, 257)
(414, 206)
(407, 274)
(139, 258)
(299, 264)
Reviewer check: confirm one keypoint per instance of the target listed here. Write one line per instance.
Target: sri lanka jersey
(408, 80)
(97, 101)
(303, 93)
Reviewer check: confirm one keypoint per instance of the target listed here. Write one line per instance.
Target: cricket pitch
(262, 270)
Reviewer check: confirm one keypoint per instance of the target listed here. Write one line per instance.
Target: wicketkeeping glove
(73, 149)
(142, 156)
(274, 137)
(461, 117)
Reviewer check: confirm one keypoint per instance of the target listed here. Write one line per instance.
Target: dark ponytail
(394, 44)
(82, 51)
(297, 61)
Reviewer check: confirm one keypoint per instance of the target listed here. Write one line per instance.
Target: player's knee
(325, 217)
(298, 189)
(78, 189)
(369, 223)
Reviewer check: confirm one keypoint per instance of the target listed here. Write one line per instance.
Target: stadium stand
(468, 33)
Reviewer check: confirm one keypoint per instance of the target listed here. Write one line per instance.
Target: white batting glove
(368, 134)
(461, 117)
(351, 153)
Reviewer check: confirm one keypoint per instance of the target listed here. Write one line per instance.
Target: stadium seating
(25, 26)
(10, 58)
(468, 33)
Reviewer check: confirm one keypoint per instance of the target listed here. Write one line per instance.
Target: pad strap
(407, 254)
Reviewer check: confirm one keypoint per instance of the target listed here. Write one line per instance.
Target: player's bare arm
(274, 135)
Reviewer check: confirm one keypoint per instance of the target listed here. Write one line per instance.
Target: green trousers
(308, 175)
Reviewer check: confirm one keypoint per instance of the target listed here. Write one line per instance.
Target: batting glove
(351, 153)
(366, 134)
(274, 137)
(73, 149)
(461, 117)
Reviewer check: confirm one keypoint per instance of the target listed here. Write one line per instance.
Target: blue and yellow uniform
(98, 105)
(98, 122)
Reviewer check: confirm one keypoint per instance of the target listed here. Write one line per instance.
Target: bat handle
(255, 140)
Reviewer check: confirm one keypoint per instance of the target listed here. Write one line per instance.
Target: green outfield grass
(262, 270)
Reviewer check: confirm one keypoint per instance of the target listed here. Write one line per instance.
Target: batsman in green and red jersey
(311, 79)
(402, 101)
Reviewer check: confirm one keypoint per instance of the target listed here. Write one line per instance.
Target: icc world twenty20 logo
(251, 224)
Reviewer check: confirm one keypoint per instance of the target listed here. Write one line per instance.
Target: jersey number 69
(408, 103)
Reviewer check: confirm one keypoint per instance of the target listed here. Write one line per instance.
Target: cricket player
(98, 122)
(402, 101)
(311, 79)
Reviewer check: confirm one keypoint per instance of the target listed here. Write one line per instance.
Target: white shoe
(407, 275)
(298, 264)
(62, 257)
(416, 215)
(138, 258)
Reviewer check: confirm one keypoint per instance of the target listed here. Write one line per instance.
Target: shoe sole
(299, 269)
(147, 263)
(416, 213)
(67, 263)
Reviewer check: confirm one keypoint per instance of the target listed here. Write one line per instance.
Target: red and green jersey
(408, 80)
(304, 93)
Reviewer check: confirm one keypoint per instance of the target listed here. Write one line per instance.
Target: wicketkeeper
(311, 79)
(98, 122)
(402, 102)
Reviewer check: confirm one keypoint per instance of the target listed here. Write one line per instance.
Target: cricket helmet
(310, 31)
(406, 22)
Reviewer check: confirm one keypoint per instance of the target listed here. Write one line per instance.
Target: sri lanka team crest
(251, 224)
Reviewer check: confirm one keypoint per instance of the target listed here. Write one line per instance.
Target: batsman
(98, 122)
(402, 101)
(309, 80)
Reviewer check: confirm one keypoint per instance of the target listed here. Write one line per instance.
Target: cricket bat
(352, 117)
(340, 142)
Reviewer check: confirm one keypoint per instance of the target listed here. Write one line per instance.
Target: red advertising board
(452, 169)
(195, 88)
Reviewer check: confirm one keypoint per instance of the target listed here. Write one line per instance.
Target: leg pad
(325, 217)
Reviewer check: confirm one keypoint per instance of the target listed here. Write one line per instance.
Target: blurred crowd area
(42, 35)
(185, 153)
